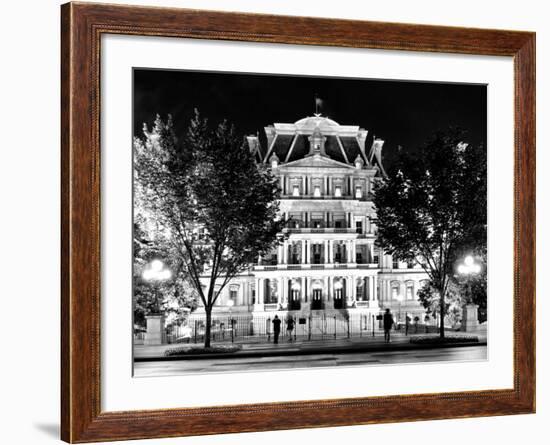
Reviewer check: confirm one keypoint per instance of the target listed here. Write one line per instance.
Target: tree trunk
(208, 310)
(441, 313)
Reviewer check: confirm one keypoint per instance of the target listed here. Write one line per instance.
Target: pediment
(317, 161)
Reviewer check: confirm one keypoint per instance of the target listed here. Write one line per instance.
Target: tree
(432, 207)
(214, 204)
(174, 298)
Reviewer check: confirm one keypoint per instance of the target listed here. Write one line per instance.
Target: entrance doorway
(294, 303)
(317, 300)
(338, 299)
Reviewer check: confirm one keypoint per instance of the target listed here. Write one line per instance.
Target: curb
(306, 351)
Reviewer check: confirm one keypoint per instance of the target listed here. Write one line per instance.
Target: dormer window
(338, 191)
(296, 191)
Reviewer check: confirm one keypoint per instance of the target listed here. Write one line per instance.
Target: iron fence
(259, 328)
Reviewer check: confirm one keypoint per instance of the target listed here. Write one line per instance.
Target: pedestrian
(407, 324)
(276, 329)
(388, 323)
(290, 327)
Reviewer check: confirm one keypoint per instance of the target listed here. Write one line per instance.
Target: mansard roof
(341, 143)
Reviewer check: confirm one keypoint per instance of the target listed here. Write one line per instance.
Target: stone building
(329, 263)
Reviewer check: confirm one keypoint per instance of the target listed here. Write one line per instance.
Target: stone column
(280, 291)
(325, 291)
(155, 329)
(284, 291)
(302, 288)
(280, 253)
(330, 285)
(303, 252)
(325, 252)
(261, 290)
(285, 252)
(308, 294)
(240, 294)
(330, 251)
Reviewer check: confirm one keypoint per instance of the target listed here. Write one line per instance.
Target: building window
(233, 295)
(317, 254)
(409, 291)
(317, 191)
(338, 256)
(294, 257)
(337, 191)
(295, 190)
(395, 264)
(359, 226)
(410, 264)
(358, 192)
(395, 292)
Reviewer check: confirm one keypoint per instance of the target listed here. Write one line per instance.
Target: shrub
(450, 339)
(193, 350)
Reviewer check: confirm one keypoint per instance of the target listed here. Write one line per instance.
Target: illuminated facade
(329, 262)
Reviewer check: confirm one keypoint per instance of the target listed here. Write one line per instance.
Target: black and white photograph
(284, 221)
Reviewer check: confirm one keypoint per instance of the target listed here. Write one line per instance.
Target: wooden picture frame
(82, 26)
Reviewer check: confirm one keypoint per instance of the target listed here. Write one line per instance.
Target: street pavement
(303, 353)
(234, 364)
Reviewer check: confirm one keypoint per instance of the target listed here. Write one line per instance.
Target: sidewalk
(301, 346)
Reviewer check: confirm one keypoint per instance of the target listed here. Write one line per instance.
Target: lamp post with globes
(469, 312)
(155, 273)
(468, 268)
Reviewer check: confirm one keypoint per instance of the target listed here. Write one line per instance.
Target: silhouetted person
(290, 328)
(407, 324)
(276, 329)
(388, 323)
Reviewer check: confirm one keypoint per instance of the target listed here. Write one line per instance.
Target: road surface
(167, 368)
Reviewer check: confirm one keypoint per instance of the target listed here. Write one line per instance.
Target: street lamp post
(469, 268)
(155, 273)
(469, 313)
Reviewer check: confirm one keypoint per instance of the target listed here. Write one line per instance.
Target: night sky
(402, 113)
